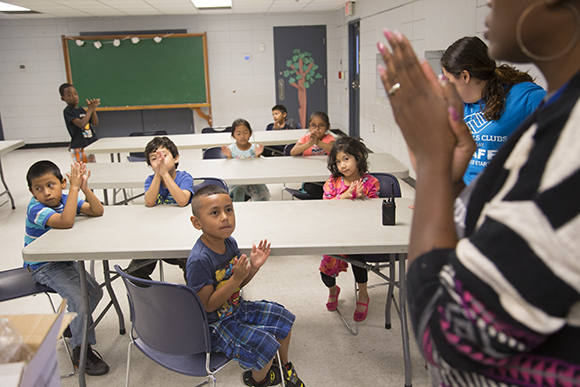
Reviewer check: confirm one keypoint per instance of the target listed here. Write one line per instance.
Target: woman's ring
(394, 89)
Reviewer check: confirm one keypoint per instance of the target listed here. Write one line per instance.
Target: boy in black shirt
(79, 123)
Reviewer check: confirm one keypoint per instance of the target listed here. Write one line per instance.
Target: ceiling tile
(106, 8)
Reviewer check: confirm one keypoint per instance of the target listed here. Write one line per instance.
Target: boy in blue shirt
(250, 332)
(50, 208)
(79, 123)
(166, 186)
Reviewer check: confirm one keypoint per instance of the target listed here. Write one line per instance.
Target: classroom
(31, 110)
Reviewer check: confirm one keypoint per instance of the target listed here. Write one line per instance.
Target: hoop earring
(540, 58)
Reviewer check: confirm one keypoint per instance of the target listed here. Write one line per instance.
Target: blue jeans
(63, 278)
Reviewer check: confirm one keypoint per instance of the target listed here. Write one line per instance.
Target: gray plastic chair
(169, 325)
(227, 129)
(213, 153)
(203, 181)
(17, 283)
(287, 149)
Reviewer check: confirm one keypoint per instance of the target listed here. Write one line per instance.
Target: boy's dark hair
(280, 108)
(203, 192)
(41, 168)
(238, 122)
(63, 87)
(158, 142)
(323, 116)
(352, 146)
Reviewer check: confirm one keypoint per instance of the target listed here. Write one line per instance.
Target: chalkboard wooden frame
(125, 40)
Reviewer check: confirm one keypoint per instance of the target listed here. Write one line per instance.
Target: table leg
(87, 308)
(107, 275)
(6, 187)
(404, 329)
(392, 284)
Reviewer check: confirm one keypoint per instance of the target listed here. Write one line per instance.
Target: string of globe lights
(117, 42)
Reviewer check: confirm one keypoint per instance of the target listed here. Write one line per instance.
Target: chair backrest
(388, 182)
(149, 133)
(214, 153)
(16, 283)
(140, 156)
(287, 149)
(203, 181)
(167, 317)
(212, 130)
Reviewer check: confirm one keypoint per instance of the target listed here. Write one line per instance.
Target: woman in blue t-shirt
(496, 99)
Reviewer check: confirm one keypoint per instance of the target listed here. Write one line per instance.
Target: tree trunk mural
(301, 75)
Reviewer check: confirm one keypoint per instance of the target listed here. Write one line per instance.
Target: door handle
(355, 85)
(281, 93)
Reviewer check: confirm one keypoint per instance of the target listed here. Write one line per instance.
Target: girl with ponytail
(496, 99)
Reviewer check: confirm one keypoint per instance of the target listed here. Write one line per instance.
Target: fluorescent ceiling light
(200, 4)
(5, 7)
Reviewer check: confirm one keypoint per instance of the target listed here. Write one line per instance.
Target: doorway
(301, 70)
(354, 78)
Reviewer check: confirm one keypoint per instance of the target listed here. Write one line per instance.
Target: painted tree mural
(301, 75)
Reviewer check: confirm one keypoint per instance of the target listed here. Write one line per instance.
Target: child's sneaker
(67, 333)
(95, 365)
(291, 377)
(273, 378)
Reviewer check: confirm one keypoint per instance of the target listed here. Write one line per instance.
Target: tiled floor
(323, 351)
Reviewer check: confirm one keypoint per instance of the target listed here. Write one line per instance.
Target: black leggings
(361, 275)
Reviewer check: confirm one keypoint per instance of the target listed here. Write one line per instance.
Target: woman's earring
(546, 58)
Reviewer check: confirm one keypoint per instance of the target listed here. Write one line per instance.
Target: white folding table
(263, 170)
(166, 232)
(193, 141)
(5, 147)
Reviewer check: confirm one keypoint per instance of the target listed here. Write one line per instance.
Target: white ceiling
(111, 8)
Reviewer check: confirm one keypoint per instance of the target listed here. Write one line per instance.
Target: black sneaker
(291, 377)
(272, 379)
(95, 365)
(67, 333)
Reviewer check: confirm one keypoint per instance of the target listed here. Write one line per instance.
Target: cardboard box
(40, 332)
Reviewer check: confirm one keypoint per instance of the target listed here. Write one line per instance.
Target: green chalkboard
(171, 73)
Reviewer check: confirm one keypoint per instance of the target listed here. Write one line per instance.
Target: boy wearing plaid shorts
(79, 123)
(250, 332)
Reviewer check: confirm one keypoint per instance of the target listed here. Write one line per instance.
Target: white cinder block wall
(31, 108)
(429, 25)
(30, 105)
